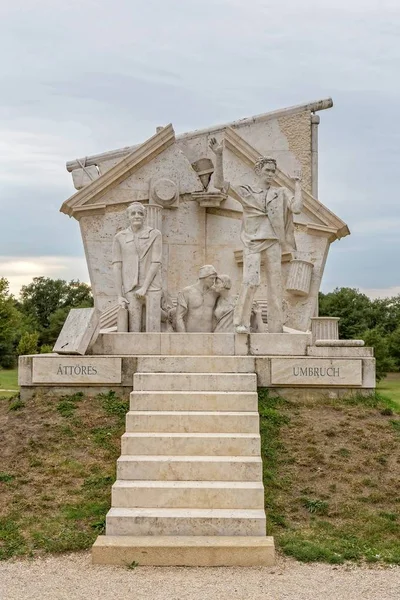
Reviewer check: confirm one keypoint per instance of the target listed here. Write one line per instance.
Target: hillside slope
(331, 474)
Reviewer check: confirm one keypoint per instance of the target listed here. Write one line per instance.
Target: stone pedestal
(299, 279)
(324, 328)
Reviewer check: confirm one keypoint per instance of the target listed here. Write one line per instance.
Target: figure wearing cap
(196, 303)
(268, 230)
(136, 257)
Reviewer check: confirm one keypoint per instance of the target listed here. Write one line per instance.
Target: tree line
(377, 322)
(33, 322)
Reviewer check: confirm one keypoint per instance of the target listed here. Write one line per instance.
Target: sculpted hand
(215, 147)
(297, 175)
(140, 293)
(122, 301)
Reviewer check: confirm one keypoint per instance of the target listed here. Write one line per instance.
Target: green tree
(9, 319)
(46, 302)
(394, 346)
(380, 343)
(28, 344)
(353, 308)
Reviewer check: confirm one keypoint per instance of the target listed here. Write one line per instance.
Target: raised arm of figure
(219, 182)
(297, 202)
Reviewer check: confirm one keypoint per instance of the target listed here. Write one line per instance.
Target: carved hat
(206, 271)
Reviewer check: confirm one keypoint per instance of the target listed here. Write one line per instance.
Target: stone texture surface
(76, 370)
(184, 521)
(201, 551)
(193, 364)
(190, 468)
(181, 494)
(320, 372)
(339, 343)
(78, 330)
(325, 328)
(340, 352)
(219, 401)
(276, 344)
(219, 344)
(205, 382)
(193, 421)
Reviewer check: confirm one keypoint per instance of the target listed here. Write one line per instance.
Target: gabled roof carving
(140, 156)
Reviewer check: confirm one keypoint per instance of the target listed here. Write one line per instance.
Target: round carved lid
(164, 191)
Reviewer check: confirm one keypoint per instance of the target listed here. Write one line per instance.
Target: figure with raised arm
(268, 230)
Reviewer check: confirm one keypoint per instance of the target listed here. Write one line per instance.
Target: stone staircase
(189, 480)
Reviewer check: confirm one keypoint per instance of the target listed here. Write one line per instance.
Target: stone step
(183, 444)
(196, 364)
(218, 401)
(192, 422)
(203, 382)
(189, 468)
(184, 551)
(188, 494)
(184, 521)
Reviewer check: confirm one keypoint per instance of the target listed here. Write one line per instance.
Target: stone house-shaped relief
(173, 175)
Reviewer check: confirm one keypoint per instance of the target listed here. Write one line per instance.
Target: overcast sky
(83, 77)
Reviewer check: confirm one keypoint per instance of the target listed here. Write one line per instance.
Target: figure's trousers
(152, 305)
(251, 280)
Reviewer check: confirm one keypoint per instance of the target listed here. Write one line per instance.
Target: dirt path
(72, 577)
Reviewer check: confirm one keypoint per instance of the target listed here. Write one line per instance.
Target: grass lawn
(332, 477)
(58, 458)
(8, 381)
(390, 387)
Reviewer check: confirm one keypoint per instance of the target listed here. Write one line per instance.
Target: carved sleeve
(116, 251)
(156, 255)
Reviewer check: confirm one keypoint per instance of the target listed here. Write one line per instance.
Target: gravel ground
(71, 577)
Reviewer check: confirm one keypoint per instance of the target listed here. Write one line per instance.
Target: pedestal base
(182, 551)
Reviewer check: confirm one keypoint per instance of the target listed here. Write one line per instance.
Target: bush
(384, 362)
(28, 344)
(46, 348)
(8, 361)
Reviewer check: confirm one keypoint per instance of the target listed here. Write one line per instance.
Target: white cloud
(21, 270)
(381, 292)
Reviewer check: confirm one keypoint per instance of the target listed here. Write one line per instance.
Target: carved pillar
(299, 279)
(154, 216)
(315, 120)
(324, 328)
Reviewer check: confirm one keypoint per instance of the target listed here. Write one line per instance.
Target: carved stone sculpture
(196, 303)
(225, 307)
(267, 229)
(136, 257)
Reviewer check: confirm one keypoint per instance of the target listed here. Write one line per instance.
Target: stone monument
(189, 487)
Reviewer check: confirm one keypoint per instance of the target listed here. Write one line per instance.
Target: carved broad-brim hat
(206, 271)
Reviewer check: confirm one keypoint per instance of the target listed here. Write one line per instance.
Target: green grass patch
(8, 379)
(57, 475)
(390, 388)
(331, 477)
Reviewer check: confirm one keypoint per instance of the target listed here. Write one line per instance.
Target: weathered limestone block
(314, 371)
(78, 331)
(324, 328)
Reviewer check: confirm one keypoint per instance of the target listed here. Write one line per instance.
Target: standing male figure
(196, 303)
(136, 257)
(267, 229)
